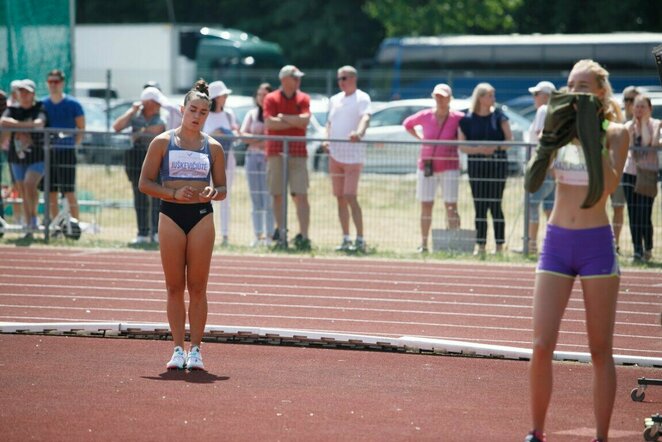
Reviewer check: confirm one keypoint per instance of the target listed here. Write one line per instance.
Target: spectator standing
(178, 168)
(617, 197)
(256, 170)
(26, 150)
(545, 195)
(642, 157)
(438, 165)
(287, 113)
(174, 113)
(349, 116)
(63, 112)
(12, 191)
(145, 120)
(487, 164)
(222, 123)
(629, 94)
(579, 242)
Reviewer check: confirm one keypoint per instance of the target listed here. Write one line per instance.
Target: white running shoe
(140, 239)
(177, 360)
(194, 359)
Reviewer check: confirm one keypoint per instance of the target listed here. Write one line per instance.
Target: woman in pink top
(438, 164)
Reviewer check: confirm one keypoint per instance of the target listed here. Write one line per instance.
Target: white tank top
(570, 166)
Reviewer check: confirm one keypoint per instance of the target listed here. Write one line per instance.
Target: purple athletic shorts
(589, 253)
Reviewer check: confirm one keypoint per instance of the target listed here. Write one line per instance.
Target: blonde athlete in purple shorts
(579, 242)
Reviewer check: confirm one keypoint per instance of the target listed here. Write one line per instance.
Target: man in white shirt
(349, 116)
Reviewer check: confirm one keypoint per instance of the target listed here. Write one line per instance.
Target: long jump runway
(429, 307)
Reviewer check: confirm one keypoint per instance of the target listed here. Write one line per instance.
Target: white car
(386, 155)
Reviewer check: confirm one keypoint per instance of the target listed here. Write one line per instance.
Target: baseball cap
(217, 89)
(442, 89)
(152, 93)
(290, 71)
(13, 86)
(546, 87)
(28, 85)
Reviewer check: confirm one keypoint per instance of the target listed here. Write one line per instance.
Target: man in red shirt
(287, 113)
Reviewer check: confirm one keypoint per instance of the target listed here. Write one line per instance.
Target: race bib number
(186, 164)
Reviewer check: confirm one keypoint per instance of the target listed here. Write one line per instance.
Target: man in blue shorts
(63, 112)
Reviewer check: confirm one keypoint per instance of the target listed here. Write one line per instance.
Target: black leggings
(147, 212)
(487, 177)
(640, 210)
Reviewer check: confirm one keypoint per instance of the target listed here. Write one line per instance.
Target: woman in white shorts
(438, 164)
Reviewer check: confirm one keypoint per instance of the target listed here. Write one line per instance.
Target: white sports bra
(570, 166)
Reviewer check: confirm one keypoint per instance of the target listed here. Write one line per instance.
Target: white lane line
(280, 262)
(511, 273)
(657, 298)
(431, 301)
(363, 279)
(470, 314)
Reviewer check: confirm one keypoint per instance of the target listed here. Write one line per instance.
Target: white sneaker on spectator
(359, 245)
(140, 239)
(345, 246)
(194, 359)
(155, 238)
(177, 360)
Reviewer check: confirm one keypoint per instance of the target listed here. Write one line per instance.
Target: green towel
(569, 116)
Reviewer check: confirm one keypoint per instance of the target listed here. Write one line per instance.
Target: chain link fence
(386, 193)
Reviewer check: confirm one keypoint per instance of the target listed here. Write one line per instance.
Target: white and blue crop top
(570, 166)
(184, 164)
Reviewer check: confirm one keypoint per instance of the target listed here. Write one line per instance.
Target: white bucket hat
(217, 89)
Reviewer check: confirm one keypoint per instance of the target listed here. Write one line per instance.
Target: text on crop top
(184, 164)
(570, 166)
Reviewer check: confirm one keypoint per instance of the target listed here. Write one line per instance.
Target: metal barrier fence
(387, 194)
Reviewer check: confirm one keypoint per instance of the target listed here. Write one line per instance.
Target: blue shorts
(589, 253)
(19, 171)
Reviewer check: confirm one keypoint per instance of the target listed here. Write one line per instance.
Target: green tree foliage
(589, 16)
(435, 17)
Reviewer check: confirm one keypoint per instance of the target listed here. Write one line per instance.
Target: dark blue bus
(409, 67)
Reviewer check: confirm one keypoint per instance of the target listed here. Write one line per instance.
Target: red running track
(69, 388)
(488, 304)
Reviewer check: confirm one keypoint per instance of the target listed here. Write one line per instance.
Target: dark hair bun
(201, 86)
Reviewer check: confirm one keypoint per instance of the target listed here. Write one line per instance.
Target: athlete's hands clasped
(194, 194)
(213, 193)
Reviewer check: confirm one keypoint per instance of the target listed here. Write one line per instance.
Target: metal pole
(527, 214)
(107, 98)
(72, 44)
(47, 185)
(283, 220)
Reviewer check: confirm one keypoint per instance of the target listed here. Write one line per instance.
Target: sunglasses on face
(54, 81)
(628, 100)
(343, 78)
